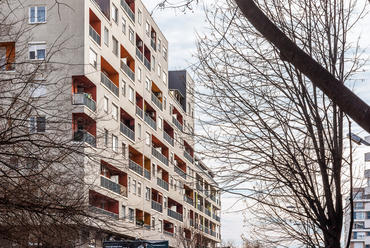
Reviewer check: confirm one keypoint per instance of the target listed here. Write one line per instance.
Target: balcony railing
(200, 207)
(128, 10)
(103, 211)
(147, 63)
(109, 184)
(84, 99)
(206, 230)
(150, 121)
(156, 101)
(213, 233)
(191, 222)
(159, 156)
(168, 233)
(174, 214)
(201, 227)
(146, 174)
(128, 132)
(156, 206)
(188, 200)
(135, 167)
(200, 187)
(139, 111)
(177, 123)
(213, 198)
(188, 156)
(139, 54)
(107, 82)
(83, 135)
(215, 217)
(162, 184)
(94, 35)
(180, 172)
(207, 212)
(152, 43)
(128, 71)
(168, 138)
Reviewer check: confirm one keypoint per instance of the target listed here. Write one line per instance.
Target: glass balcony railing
(127, 131)
(174, 214)
(191, 222)
(94, 35)
(200, 187)
(83, 135)
(110, 85)
(139, 111)
(150, 121)
(147, 63)
(207, 212)
(103, 211)
(152, 43)
(206, 230)
(135, 167)
(139, 54)
(177, 123)
(159, 156)
(109, 184)
(180, 172)
(162, 184)
(188, 199)
(188, 156)
(156, 206)
(156, 101)
(146, 174)
(84, 99)
(128, 11)
(213, 233)
(213, 198)
(215, 217)
(200, 207)
(168, 138)
(128, 71)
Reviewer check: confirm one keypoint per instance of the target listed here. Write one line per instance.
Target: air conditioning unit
(168, 225)
(158, 94)
(139, 43)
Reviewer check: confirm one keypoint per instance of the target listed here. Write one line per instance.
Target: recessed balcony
(128, 10)
(82, 98)
(109, 84)
(135, 167)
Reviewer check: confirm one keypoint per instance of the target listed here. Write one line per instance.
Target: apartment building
(128, 108)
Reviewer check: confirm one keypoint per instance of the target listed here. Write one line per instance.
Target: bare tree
(278, 137)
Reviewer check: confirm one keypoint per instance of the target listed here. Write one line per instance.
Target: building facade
(128, 108)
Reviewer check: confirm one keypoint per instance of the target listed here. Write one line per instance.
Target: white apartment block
(127, 106)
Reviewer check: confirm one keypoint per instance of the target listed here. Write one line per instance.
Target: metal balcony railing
(107, 82)
(146, 174)
(213, 198)
(127, 131)
(83, 135)
(109, 184)
(152, 43)
(200, 207)
(139, 111)
(135, 167)
(150, 121)
(188, 156)
(84, 99)
(128, 11)
(201, 227)
(162, 184)
(168, 138)
(215, 217)
(188, 200)
(200, 187)
(207, 212)
(103, 211)
(94, 35)
(191, 222)
(127, 71)
(159, 156)
(139, 54)
(174, 214)
(213, 233)
(156, 101)
(156, 206)
(176, 123)
(206, 230)
(147, 63)
(180, 172)
(168, 233)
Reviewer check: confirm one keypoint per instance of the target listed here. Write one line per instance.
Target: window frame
(131, 35)
(106, 36)
(115, 143)
(93, 52)
(36, 18)
(114, 13)
(131, 94)
(105, 104)
(124, 24)
(115, 46)
(37, 124)
(37, 46)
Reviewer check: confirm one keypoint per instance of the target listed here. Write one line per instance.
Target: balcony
(215, 217)
(180, 172)
(83, 135)
(115, 187)
(152, 43)
(128, 10)
(139, 111)
(110, 85)
(156, 206)
(147, 63)
(168, 233)
(213, 198)
(150, 121)
(159, 156)
(139, 54)
(146, 174)
(156, 101)
(127, 131)
(127, 71)
(167, 138)
(94, 35)
(83, 99)
(207, 212)
(174, 214)
(191, 222)
(188, 156)
(206, 230)
(213, 233)
(103, 211)
(188, 200)
(200, 187)
(200, 207)
(162, 184)
(135, 167)
(176, 123)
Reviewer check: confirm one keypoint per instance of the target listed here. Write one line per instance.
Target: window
(114, 143)
(164, 102)
(153, 223)
(175, 185)
(93, 58)
(160, 225)
(165, 202)
(124, 87)
(147, 139)
(153, 170)
(171, 182)
(129, 184)
(123, 212)
(123, 149)
(153, 63)
(138, 131)
(105, 102)
(164, 52)
(147, 28)
(139, 189)
(139, 74)
(359, 205)
(131, 94)
(37, 51)
(114, 112)
(123, 25)
(358, 215)
(159, 45)
(134, 186)
(38, 88)
(139, 16)
(131, 215)
(114, 13)
(131, 36)
(159, 70)
(164, 77)
(37, 124)
(147, 193)
(147, 83)
(106, 36)
(37, 14)
(105, 137)
(115, 45)
(160, 120)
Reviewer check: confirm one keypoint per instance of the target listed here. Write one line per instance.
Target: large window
(37, 51)
(37, 124)
(37, 14)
